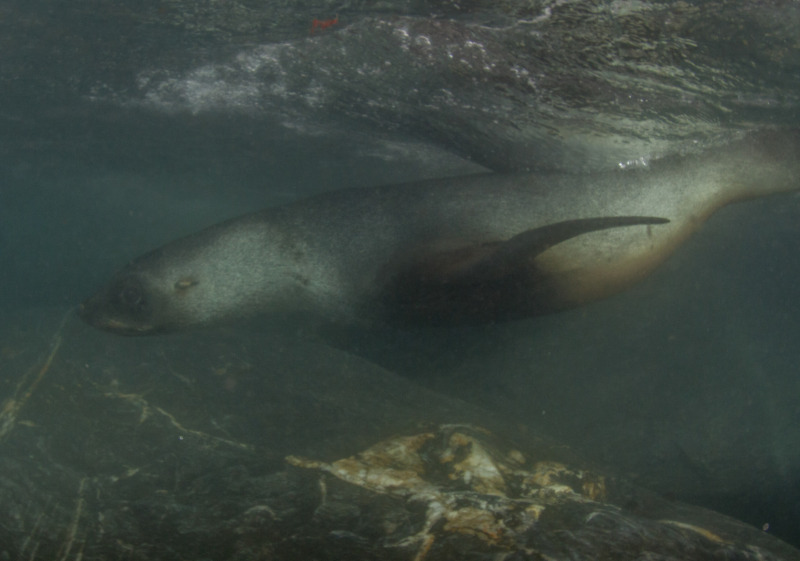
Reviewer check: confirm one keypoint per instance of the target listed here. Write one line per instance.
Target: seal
(479, 248)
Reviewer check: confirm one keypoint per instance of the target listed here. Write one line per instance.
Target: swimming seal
(467, 249)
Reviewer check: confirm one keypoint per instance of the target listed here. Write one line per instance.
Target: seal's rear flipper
(488, 281)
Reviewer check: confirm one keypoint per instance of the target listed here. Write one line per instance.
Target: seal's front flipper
(488, 281)
(524, 247)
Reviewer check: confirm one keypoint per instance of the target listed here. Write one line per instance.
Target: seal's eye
(130, 296)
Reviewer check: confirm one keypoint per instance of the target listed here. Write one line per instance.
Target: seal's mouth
(93, 314)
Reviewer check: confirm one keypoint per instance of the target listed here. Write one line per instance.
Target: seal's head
(158, 292)
(225, 272)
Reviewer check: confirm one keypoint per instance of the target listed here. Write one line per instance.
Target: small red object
(323, 24)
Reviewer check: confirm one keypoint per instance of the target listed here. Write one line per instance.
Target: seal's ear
(185, 283)
(482, 281)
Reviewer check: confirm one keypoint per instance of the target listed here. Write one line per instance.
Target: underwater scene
(399, 280)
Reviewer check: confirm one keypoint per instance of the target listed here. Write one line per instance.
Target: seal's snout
(90, 311)
(120, 307)
(84, 311)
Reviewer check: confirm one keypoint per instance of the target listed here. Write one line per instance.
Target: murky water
(125, 125)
